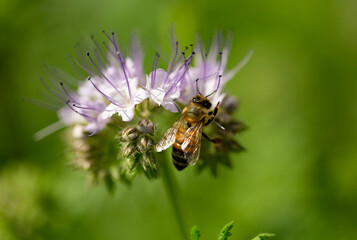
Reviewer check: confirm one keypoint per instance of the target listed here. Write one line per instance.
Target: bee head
(203, 101)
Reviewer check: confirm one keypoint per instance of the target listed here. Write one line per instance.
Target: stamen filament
(105, 96)
(84, 68)
(172, 65)
(82, 114)
(214, 92)
(157, 62)
(121, 63)
(154, 67)
(95, 65)
(85, 108)
(66, 92)
(126, 78)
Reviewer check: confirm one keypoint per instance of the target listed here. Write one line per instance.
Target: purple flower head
(84, 107)
(208, 75)
(164, 86)
(119, 82)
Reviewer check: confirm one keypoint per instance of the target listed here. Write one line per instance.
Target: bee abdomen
(178, 158)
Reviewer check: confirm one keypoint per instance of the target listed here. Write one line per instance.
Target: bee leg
(215, 140)
(212, 114)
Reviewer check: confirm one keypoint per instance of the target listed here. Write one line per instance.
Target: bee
(186, 133)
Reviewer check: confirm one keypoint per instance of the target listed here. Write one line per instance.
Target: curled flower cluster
(137, 151)
(117, 92)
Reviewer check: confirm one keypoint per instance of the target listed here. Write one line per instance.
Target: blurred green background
(298, 95)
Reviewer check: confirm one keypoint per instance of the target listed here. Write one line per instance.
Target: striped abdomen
(181, 156)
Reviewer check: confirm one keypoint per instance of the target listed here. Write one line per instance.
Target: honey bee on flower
(186, 133)
(109, 113)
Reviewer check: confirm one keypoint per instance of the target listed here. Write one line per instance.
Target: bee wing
(169, 137)
(192, 144)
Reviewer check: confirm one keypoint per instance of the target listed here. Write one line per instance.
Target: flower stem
(172, 192)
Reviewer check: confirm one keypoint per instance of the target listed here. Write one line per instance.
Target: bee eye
(207, 104)
(195, 100)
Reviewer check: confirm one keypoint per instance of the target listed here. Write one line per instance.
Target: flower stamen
(121, 61)
(98, 46)
(154, 68)
(101, 73)
(85, 108)
(219, 81)
(197, 90)
(104, 95)
(126, 78)
(82, 114)
(84, 68)
(179, 77)
(172, 65)
(67, 94)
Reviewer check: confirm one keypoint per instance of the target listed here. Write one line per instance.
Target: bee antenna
(219, 82)
(197, 90)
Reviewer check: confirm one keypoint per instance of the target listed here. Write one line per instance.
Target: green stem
(172, 192)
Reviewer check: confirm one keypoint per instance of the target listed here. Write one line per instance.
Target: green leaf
(264, 236)
(225, 232)
(195, 233)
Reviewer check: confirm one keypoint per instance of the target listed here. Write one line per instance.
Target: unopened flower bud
(149, 165)
(129, 134)
(127, 149)
(146, 126)
(145, 143)
(229, 103)
(149, 159)
(128, 170)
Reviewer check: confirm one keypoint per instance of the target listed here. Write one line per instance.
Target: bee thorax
(194, 114)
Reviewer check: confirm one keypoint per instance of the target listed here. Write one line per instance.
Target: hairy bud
(128, 170)
(149, 165)
(127, 149)
(145, 144)
(130, 134)
(146, 126)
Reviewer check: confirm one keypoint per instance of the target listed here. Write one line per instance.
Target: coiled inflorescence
(137, 151)
(116, 92)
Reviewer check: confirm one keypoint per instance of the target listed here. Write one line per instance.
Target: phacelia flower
(164, 87)
(84, 107)
(112, 87)
(137, 151)
(119, 83)
(208, 75)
